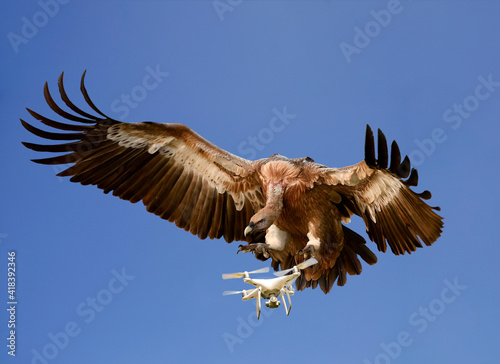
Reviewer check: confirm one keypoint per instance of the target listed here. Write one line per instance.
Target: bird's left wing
(378, 193)
(178, 175)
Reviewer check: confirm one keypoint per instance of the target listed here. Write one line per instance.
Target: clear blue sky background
(227, 72)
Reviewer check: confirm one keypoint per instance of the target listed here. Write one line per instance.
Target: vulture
(284, 209)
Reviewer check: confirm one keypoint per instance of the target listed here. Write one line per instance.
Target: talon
(259, 249)
(244, 248)
(307, 252)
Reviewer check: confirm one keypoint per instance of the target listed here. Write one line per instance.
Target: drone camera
(273, 303)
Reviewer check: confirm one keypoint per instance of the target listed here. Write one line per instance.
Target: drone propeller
(303, 265)
(242, 274)
(227, 293)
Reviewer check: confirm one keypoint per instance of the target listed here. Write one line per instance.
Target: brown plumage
(286, 209)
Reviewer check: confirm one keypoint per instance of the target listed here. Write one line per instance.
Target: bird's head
(261, 221)
(265, 217)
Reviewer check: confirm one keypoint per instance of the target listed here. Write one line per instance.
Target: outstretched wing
(176, 173)
(376, 191)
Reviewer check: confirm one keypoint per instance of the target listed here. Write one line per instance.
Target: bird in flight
(285, 209)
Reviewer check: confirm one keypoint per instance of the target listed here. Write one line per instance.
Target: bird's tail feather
(347, 262)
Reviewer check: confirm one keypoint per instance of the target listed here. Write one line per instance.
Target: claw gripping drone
(270, 288)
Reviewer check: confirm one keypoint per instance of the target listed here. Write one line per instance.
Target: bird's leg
(308, 252)
(259, 249)
(276, 240)
(310, 249)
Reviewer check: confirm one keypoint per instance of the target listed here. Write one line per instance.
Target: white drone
(270, 288)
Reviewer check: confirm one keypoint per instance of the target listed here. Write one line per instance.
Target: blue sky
(99, 280)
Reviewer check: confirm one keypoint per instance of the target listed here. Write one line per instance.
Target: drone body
(271, 288)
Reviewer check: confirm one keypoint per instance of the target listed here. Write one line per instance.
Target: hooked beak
(249, 229)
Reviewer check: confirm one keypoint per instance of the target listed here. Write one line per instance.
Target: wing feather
(183, 212)
(392, 212)
(229, 219)
(175, 195)
(68, 102)
(97, 169)
(217, 228)
(133, 185)
(128, 170)
(176, 173)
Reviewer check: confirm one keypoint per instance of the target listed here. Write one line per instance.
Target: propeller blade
(261, 270)
(303, 265)
(242, 274)
(307, 263)
(232, 275)
(282, 273)
(227, 293)
(247, 292)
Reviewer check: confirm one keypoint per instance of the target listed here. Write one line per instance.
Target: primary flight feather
(286, 209)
